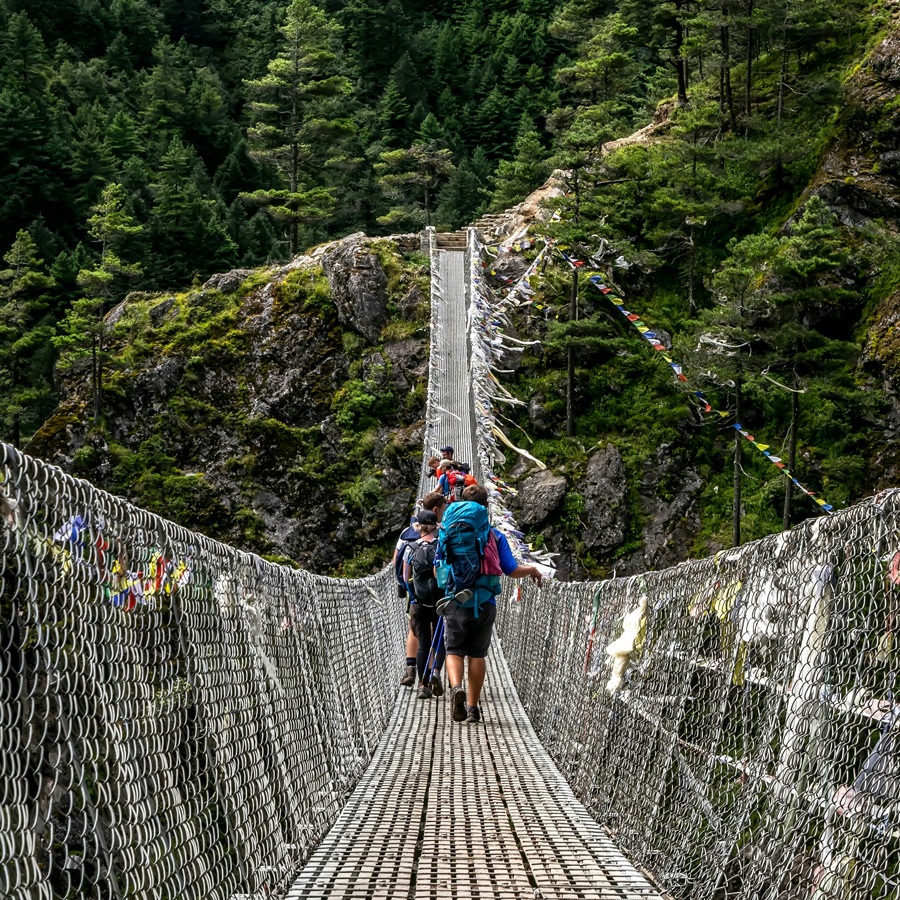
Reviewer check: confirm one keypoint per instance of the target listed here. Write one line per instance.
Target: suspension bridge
(180, 719)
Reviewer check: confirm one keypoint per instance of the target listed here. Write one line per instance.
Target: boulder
(358, 286)
(228, 282)
(539, 496)
(158, 312)
(510, 266)
(885, 60)
(408, 362)
(537, 413)
(411, 301)
(605, 492)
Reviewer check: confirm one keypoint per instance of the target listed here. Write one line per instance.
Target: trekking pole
(435, 649)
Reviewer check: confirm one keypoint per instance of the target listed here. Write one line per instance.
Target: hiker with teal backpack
(469, 560)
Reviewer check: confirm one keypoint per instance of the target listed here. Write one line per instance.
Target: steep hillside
(279, 409)
(794, 287)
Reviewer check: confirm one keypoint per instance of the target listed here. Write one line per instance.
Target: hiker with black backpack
(407, 536)
(435, 503)
(469, 560)
(424, 619)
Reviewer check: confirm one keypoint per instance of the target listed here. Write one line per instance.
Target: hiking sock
(411, 661)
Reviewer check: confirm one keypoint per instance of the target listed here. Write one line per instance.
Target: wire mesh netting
(179, 719)
(735, 721)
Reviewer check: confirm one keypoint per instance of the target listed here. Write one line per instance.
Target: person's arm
(510, 566)
(527, 572)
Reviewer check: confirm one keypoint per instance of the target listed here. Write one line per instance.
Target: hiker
(466, 469)
(407, 536)
(447, 452)
(452, 482)
(435, 502)
(470, 557)
(433, 465)
(423, 614)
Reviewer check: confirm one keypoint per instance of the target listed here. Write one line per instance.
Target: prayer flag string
(651, 337)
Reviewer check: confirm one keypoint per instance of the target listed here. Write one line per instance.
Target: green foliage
(359, 404)
(26, 326)
(410, 178)
(526, 171)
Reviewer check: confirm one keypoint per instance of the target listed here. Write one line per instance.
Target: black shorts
(464, 635)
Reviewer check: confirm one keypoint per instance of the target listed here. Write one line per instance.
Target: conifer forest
(731, 167)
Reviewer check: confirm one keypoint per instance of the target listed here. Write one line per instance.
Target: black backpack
(421, 562)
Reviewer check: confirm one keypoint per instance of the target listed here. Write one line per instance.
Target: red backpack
(457, 483)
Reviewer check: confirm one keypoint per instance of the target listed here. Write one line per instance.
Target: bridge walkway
(448, 810)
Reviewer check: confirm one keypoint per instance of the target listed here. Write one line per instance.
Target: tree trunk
(736, 508)
(570, 376)
(16, 431)
(782, 80)
(680, 63)
(295, 176)
(725, 41)
(427, 208)
(748, 88)
(96, 378)
(792, 457)
(692, 267)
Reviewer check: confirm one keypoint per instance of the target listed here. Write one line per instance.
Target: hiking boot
(436, 687)
(473, 715)
(409, 677)
(458, 704)
(424, 692)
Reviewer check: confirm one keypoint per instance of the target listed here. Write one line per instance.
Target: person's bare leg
(477, 669)
(455, 668)
(412, 643)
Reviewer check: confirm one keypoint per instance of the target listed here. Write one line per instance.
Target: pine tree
(26, 326)
(165, 107)
(525, 172)
(25, 65)
(121, 137)
(393, 115)
(461, 198)
(188, 230)
(91, 163)
(83, 330)
(289, 128)
(411, 178)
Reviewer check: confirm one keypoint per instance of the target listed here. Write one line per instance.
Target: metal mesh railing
(734, 722)
(179, 719)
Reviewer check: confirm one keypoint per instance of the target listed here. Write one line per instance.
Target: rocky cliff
(280, 409)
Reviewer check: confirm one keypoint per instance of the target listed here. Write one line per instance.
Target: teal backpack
(462, 539)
